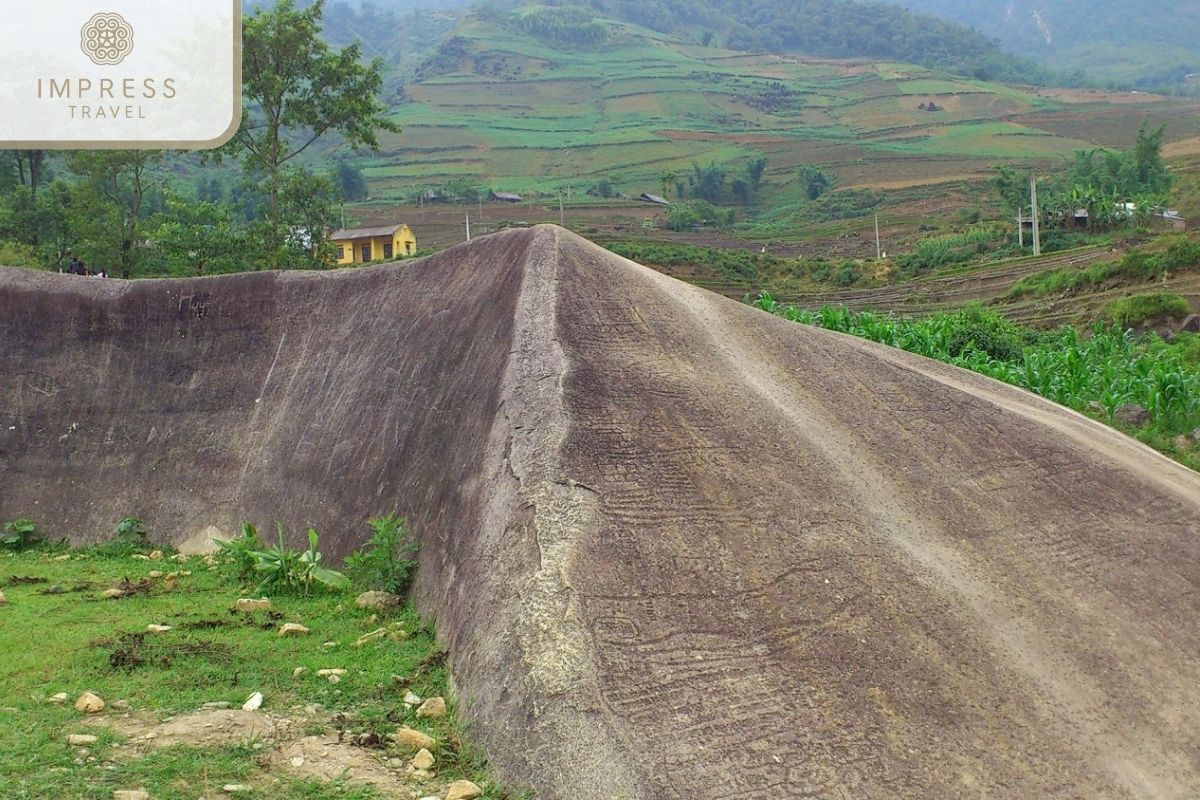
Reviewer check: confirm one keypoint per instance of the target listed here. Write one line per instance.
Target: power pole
(1021, 227)
(1037, 230)
(468, 227)
(878, 246)
(561, 212)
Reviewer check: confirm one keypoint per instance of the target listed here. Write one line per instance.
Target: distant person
(76, 267)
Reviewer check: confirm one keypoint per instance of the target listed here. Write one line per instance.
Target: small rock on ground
(423, 759)
(112, 594)
(379, 601)
(81, 739)
(292, 629)
(253, 703)
(3, 599)
(1132, 414)
(249, 605)
(463, 790)
(89, 703)
(237, 788)
(157, 628)
(130, 794)
(412, 739)
(370, 637)
(61, 697)
(433, 708)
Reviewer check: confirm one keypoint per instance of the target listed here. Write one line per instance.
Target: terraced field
(516, 113)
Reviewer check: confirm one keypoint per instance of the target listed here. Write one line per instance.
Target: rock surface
(652, 520)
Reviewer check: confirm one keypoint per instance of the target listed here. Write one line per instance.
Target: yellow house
(360, 245)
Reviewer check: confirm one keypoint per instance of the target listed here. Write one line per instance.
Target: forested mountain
(1151, 43)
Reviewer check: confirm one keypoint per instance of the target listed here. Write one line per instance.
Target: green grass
(74, 642)
(1094, 374)
(1129, 312)
(1142, 264)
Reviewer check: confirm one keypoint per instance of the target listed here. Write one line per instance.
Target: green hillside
(1150, 44)
(500, 106)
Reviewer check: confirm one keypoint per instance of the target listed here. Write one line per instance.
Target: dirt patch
(134, 650)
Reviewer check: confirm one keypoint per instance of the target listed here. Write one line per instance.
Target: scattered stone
(421, 774)
(237, 788)
(81, 739)
(412, 739)
(396, 763)
(89, 703)
(254, 703)
(179, 558)
(379, 601)
(463, 790)
(423, 759)
(1132, 414)
(374, 635)
(112, 594)
(298, 671)
(335, 679)
(54, 589)
(1196, 435)
(292, 629)
(248, 605)
(328, 645)
(433, 708)
(297, 762)
(158, 628)
(155, 573)
(411, 698)
(217, 704)
(121, 705)
(3, 599)
(63, 558)
(325, 673)
(431, 797)
(156, 555)
(61, 697)
(140, 557)
(130, 794)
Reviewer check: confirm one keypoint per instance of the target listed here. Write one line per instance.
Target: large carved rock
(677, 548)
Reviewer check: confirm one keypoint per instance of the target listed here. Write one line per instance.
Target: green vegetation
(19, 534)
(1138, 265)
(937, 252)
(283, 569)
(1132, 311)
(210, 655)
(1095, 373)
(387, 561)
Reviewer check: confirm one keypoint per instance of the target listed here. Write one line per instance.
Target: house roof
(646, 197)
(365, 233)
(506, 196)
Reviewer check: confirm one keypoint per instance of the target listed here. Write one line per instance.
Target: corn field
(1095, 372)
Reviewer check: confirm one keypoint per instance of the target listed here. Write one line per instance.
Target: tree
(816, 181)
(755, 170)
(297, 90)
(351, 181)
(30, 165)
(114, 187)
(199, 238)
(669, 178)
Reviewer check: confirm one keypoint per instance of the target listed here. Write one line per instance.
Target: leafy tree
(755, 170)
(297, 89)
(708, 183)
(199, 238)
(816, 181)
(351, 181)
(109, 207)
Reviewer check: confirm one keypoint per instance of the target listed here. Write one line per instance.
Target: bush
(241, 550)
(131, 538)
(1129, 312)
(386, 563)
(20, 534)
(847, 275)
(284, 569)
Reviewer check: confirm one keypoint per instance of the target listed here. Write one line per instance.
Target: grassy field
(312, 739)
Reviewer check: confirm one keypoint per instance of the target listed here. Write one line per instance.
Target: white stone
(130, 794)
(249, 605)
(61, 697)
(254, 703)
(370, 637)
(112, 594)
(298, 762)
(412, 739)
(292, 629)
(326, 673)
(412, 699)
(156, 555)
(237, 788)
(81, 739)
(157, 628)
(298, 671)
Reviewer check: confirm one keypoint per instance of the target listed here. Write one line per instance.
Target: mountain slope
(677, 548)
(1149, 43)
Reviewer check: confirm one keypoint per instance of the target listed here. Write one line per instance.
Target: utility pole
(878, 246)
(468, 227)
(1037, 231)
(561, 212)
(1021, 227)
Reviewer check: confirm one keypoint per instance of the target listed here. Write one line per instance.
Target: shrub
(20, 534)
(1129, 312)
(131, 538)
(386, 562)
(284, 569)
(241, 550)
(847, 275)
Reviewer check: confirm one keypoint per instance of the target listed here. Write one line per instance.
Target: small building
(646, 197)
(1173, 219)
(361, 245)
(506, 197)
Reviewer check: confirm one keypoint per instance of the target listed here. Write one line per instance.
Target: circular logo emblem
(107, 39)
